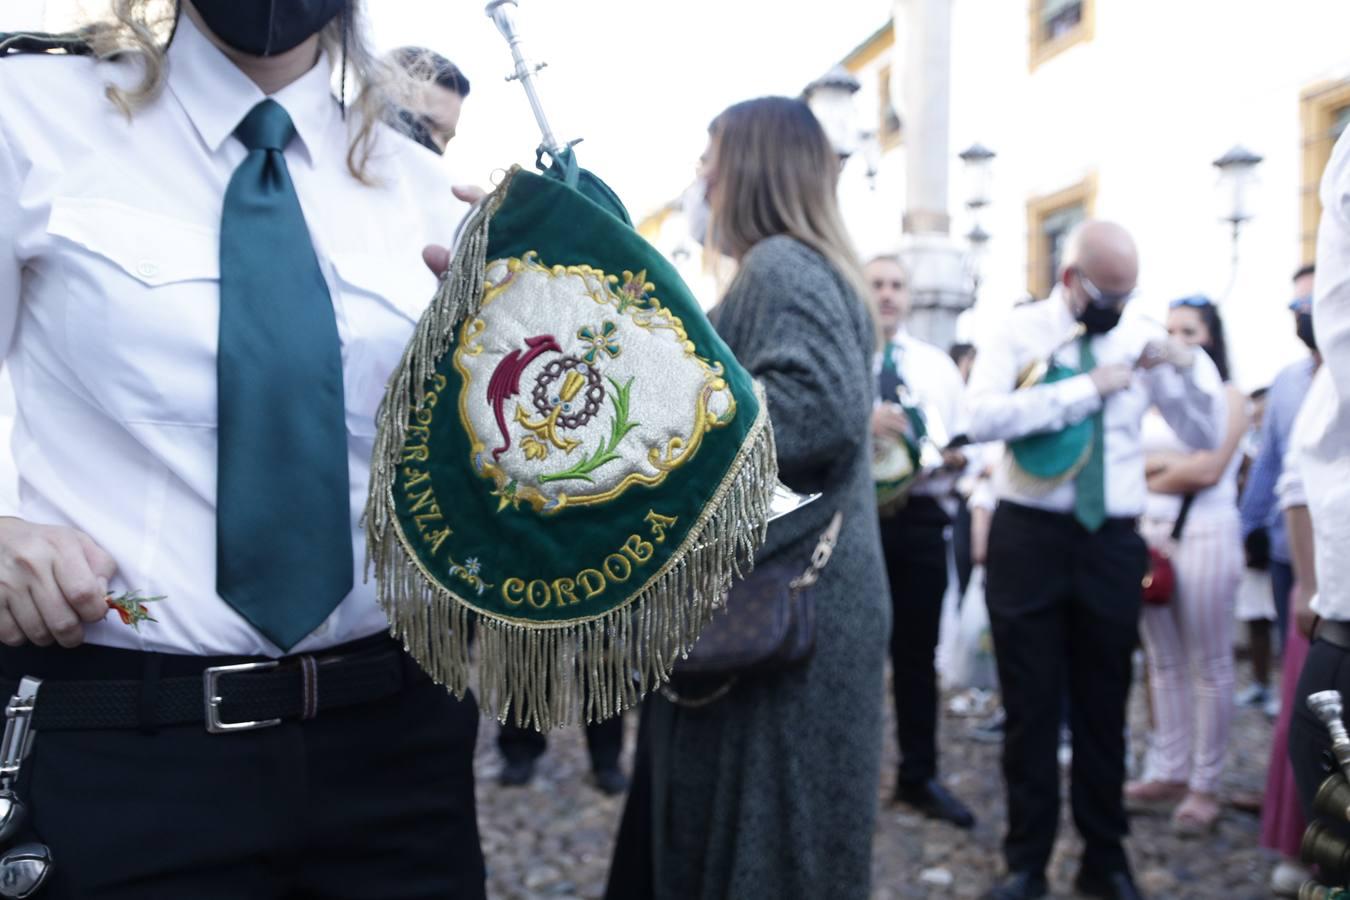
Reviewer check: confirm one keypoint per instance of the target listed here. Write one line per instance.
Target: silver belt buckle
(210, 686)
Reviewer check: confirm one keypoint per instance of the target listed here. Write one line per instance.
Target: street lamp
(831, 100)
(1237, 175)
(978, 240)
(978, 161)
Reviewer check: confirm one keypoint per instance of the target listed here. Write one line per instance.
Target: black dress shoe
(936, 802)
(610, 781)
(1019, 886)
(1117, 885)
(516, 773)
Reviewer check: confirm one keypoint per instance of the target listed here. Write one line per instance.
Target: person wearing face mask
(209, 266)
(434, 119)
(914, 538)
(1065, 562)
(1263, 525)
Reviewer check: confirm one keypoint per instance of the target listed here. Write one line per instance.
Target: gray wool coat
(771, 792)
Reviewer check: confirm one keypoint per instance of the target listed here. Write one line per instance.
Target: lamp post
(1237, 175)
(831, 100)
(978, 163)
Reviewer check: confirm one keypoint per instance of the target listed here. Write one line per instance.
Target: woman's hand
(53, 581)
(437, 257)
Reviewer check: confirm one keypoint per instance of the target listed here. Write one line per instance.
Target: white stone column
(940, 285)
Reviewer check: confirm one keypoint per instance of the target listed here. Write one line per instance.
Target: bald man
(1066, 382)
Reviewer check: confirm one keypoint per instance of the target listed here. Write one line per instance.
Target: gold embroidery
(632, 298)
(659, 524)
(616, 568)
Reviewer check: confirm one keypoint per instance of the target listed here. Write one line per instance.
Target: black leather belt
(1333, 632)
(240, 696)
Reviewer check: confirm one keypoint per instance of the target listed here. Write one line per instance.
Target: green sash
(1042, 462)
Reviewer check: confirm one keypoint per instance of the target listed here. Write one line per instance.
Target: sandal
(1153, 796)
(1197, 815)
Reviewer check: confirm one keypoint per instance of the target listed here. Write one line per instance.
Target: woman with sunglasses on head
(771, 790)
(209, 265)
(1189, 639)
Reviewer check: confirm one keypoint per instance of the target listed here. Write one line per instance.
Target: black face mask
(1099, 319)
(1305, 329)
(267, 27)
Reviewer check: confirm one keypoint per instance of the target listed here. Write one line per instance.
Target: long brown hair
(776, 173)
(141, 29)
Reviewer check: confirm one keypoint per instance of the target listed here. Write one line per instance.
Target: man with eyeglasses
(1263, 524)
(1066, 382)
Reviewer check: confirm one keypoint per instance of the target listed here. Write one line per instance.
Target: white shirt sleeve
(9, 255)
(1331, 309)
(998, 412)
(1191, 401)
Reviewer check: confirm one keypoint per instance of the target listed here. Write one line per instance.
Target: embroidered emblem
(566, 407)
(601, 340)
(131, 608)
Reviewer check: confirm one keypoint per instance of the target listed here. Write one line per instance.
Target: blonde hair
(140, 30)
(776, 174)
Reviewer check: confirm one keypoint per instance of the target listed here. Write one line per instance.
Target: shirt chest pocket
(141, 299)
(139, 307)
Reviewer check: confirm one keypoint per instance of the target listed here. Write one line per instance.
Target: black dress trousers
(913, 543)
(366, 802)
(1326, 668)
(1064, 609)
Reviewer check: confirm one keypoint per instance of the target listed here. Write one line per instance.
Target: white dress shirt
(1322, 434)
(934, 382)
(1191, 401)
(109, 308)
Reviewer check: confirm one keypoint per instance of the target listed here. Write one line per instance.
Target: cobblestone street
(553, 838)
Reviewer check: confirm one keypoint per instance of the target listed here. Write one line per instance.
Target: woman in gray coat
(771, 790)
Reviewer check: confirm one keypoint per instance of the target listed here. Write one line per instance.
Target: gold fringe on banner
(542, 674)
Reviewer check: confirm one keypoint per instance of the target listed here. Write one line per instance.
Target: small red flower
(131, 608)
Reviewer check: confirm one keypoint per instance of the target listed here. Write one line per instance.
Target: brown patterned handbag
(768, 624)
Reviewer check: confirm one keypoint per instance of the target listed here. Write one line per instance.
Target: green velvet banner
(568, 457)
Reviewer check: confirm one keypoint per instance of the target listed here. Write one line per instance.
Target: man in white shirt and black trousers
(913, 539)
(1319, 455)
(1065, 561)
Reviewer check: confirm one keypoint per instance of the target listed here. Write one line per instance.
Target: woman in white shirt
(1189, 640)
(145, 174)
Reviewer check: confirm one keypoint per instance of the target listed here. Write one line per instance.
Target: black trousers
(604, 740)
(1326, 668)
(366, 802)
(1064, 610)
(916, 564)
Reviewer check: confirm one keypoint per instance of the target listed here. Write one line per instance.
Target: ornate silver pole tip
(1327, 706)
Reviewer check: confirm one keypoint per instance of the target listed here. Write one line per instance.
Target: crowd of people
(1099, 471)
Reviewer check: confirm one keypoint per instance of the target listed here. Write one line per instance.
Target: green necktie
(283, 519)
(1089, 495)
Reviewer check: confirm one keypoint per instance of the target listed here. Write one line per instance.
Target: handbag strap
(820, 557)
(1186, 502)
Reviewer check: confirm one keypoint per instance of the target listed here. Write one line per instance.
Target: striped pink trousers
(1189, 645)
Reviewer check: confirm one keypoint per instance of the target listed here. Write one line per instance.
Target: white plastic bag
(972, 656)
